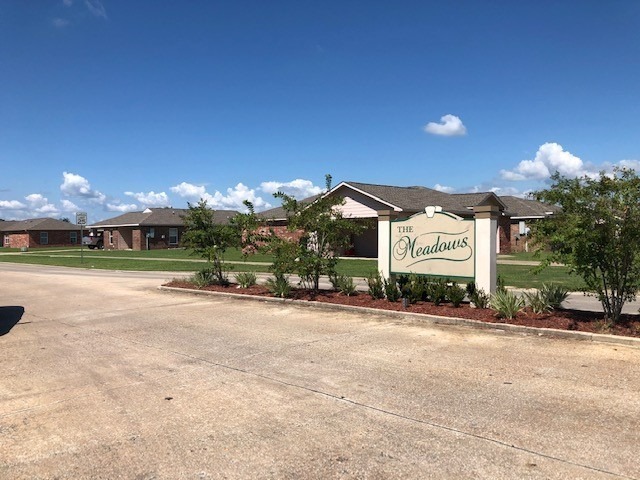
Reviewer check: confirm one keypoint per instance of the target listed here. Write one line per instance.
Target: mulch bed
(564, 319)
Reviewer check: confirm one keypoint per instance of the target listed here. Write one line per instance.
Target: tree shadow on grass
(9, 316)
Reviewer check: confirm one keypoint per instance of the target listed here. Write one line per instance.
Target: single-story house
(362, 201)
(153, 228)
(39, 232)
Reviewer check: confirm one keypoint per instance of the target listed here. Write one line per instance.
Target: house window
(110, 237)
(6, 240)
(173, 236)
(73, 237)
(44, 238)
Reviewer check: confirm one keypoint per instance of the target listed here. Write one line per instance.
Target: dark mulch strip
(578, 320)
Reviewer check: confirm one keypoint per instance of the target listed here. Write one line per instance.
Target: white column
(384, 241)
(486, 217)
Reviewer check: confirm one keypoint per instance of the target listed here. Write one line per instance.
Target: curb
(424, 317)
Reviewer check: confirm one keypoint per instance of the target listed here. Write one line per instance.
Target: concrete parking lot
(104, 376)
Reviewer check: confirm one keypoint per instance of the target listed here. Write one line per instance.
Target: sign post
(81, 220)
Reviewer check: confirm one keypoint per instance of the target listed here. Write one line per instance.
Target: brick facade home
(157, 228)
(362, 201)
(39, 232)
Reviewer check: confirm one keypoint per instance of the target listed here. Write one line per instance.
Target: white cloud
(508, 191)
(188, 190)
(12, 205)
(632, 164)
(120, 207)
(233, 200)
(443, 188)
(40, 205)
(77, 186)
(60, 22)
(236, 196)
(550, 157)
(150, 199)
(298, 188)
(69, 206)
(96, 8)
(449, 126)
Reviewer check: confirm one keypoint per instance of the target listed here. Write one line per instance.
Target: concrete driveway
(103, 376)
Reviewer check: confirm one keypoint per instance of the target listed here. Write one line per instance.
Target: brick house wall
(506, 235)
(519, 243)
(16, 240)
(56, 238)
(135, 238)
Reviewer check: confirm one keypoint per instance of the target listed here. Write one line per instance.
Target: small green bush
(246, 279)
(456, 294)
(437, 291)
(376, 285)
(471, 288)
(537, 302)
(391, 290)
(554, 294)
(415, 288)
(204, 277)
(279, 285)
(506, 304)
(480, 298)
(346, 285)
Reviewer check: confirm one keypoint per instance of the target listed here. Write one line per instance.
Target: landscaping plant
(391, 290)
(345, 285)
(279, 286)
(506, 304)
(208, 239)
(437, 290)
(554, 294)
(479, 298)
(376, 285)
(596, 233)
(246, 279)
(456, 294)
(537, 302)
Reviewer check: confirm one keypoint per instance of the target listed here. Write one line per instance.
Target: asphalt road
(104, 376)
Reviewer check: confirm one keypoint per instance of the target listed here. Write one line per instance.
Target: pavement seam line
(381, 410)
(317, 392)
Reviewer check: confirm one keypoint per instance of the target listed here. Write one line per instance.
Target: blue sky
(108, 106)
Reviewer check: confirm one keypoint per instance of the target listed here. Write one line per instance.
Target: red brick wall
(32, 239)
(136, 238)
(17, 240)
(519, 243)
(504, 231)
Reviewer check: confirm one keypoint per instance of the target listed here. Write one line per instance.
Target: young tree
(322, 231)
(324, 234)
(208, 239)
(596, 234)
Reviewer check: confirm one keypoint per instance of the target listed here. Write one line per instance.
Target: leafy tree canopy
(596, 234)
(322, 235)
(208, 239)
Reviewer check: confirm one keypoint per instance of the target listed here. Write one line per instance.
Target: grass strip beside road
(180, 260)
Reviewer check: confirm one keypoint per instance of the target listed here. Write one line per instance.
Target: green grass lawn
(180, 260)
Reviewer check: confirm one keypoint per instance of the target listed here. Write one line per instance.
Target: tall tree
(596, 234)
(325, 233)
(208, 239)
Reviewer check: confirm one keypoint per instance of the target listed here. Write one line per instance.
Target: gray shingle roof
(278, 213)
(521, 207)
(160, 217)
(37, 224)
(414, 199)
